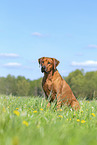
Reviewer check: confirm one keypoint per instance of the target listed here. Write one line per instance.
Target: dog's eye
(49, 63)
(42, 61)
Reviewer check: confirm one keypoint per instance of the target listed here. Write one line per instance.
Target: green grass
(27, 121)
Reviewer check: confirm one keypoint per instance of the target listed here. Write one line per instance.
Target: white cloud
(92, 46)
(12, 64)
(37, 34)
(10, 55)
(89, 63)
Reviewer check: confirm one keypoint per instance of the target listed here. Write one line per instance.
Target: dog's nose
(43, 68)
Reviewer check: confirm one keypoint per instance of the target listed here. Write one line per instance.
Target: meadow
(28, 121)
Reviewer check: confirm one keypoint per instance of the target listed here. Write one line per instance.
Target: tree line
(20, 86)
(83, 85)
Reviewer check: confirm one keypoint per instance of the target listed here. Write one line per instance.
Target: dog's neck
(50, 74)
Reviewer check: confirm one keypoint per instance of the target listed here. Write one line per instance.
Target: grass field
(27, 121)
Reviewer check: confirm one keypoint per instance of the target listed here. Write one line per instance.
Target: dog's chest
(47, 86)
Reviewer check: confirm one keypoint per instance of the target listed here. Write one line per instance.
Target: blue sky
(30, 29)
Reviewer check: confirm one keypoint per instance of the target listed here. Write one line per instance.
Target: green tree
(10, 85)
(36, 87)
(2, 85)
(90, 85)
(73, 75)
(77, 85)
(22, 87)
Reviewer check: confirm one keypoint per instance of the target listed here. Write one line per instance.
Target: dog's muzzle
(43, 69)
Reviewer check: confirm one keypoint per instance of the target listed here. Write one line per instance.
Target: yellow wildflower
(17, 108)
(67, 119)
(60, 109)
(8, 107)
(93, 114)
(70, 118)
(41, 109)
(35, 111)
(60, 116)
(78, 120)
(25, 123)
(83, 121)
(16, 112)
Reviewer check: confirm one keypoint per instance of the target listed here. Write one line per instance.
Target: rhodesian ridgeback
(54, 85)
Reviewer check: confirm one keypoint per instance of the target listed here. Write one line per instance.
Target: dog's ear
(56, 62)
(40, 60)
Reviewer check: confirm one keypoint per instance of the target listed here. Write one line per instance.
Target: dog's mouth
(43, 69)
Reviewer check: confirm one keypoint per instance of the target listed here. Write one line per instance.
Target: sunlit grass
(27, 121)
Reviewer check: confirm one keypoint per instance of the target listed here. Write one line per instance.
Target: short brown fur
(54, 85)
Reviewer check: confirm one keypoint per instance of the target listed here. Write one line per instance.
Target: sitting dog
(54, 85)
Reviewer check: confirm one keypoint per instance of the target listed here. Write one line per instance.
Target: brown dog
(54, 85)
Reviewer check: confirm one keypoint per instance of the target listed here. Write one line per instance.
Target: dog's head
(48, 64)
